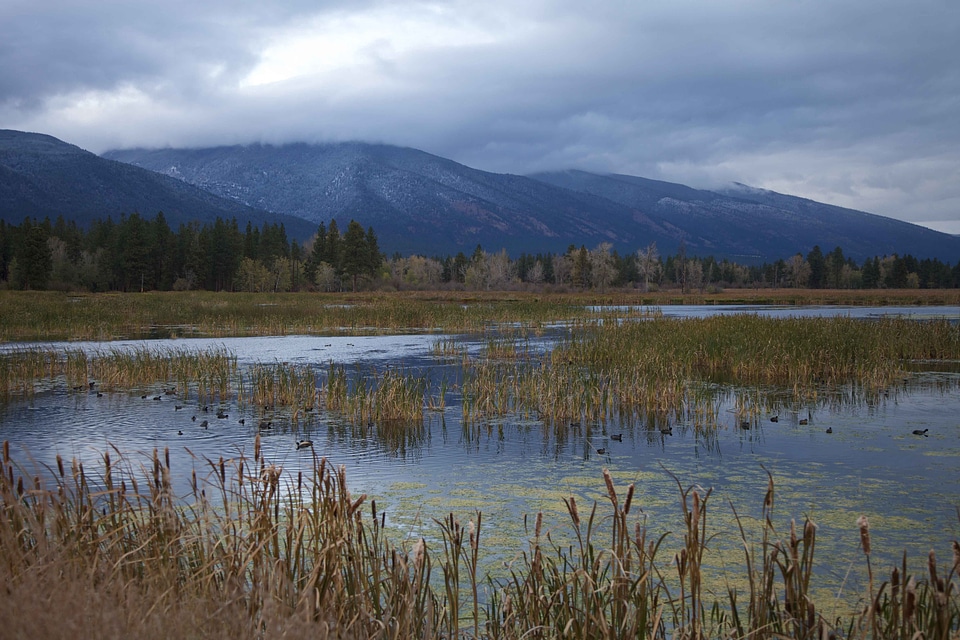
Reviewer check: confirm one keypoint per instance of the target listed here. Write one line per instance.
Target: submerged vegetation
(253, 552)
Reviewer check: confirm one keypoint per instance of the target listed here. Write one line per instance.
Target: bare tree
(602, 270)
(648, 264)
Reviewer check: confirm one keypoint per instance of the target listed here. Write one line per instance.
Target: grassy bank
(251, 552)
(44, 316)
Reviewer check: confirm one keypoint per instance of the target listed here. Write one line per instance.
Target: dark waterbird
(921, 432)
(829, 429)
(774, 418)
(265, 424)
(601, 451)
(617, 436)
(304, 444)
(204, 424)
(221, 414)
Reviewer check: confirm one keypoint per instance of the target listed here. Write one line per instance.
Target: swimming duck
(304, 444)
(617, 436)
(774, 418)
(204, 424)
(829, 429)
(601, 451)
(803, 421)
(921, 432)
(221, 414)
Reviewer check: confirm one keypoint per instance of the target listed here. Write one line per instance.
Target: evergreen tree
(355, 258)
(33, 258)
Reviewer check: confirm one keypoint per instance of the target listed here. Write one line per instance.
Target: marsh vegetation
(256, 543)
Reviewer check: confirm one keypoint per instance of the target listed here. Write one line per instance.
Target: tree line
(139, 254)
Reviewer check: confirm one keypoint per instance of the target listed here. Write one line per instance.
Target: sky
(849, 102)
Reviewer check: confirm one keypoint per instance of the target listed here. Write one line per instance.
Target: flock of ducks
(308, 444)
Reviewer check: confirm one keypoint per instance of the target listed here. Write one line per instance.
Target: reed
(252, 548)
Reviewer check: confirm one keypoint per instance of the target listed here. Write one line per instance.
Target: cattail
(681, 561)
(768, 499)
(695, 520)
(539, 523)
(895, 583)
(607, 478)
(166, 456)
(356, 503)
(223, 471)
(932, 566)
(629, 499)
(809, 533)
(256, 448)
(956, 557)
(418, 552)
(60, 468)
(6, 451)
(864, 533)
(574, 514)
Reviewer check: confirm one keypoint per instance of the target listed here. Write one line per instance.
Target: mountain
(750, 223)
(418, 202)
(41, 176)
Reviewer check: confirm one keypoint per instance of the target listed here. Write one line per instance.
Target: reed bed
(668, 367)
(252, 551)
(211, 373)
(390, 397)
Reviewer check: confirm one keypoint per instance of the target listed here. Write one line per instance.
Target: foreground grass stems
(251, 551)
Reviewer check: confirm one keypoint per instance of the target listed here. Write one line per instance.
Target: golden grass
(252, 552)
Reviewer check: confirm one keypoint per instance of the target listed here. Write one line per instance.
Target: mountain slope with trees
(421, 203)
(43, 177)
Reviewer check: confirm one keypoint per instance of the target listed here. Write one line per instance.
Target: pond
(833, 458)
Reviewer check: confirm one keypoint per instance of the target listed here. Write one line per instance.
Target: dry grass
(251, 552)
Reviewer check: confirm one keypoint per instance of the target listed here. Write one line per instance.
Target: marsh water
(832, 458)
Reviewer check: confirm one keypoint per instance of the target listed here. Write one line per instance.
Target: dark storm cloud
(850, 102)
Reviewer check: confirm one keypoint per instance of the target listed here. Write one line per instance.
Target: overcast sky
(851, 102)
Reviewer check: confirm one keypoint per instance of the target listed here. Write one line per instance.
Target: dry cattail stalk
(864, 533)
(956, 557)
(608, 479)
(574, 514)
(932, 566)
(629, 499)
(539, 523)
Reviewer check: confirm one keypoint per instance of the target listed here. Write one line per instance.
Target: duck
(304, 444)
(617, 436)
(601, 451)
(221, 414)
(829, 429)
(242, 421)
(666, 431)
(179, 432)
(745, 425)
(177, 407)
(204, 424)
(774, 418)
(803, 421)
(921, 432)
(265, 424)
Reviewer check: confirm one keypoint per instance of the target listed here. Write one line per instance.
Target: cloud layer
(849, 102)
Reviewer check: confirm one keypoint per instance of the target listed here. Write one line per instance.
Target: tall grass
(253, 551)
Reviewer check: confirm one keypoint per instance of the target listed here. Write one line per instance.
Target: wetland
(509, 415)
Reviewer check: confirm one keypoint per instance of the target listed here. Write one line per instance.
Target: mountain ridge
(42, 176)
(422, 203)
